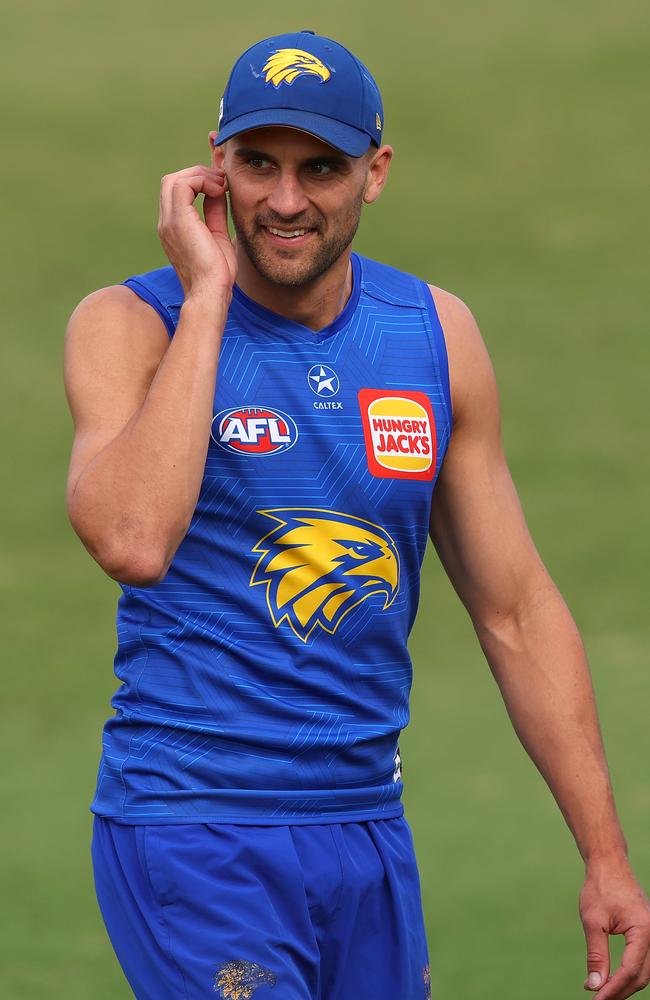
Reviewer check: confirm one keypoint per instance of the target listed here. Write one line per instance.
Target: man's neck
(315, 305)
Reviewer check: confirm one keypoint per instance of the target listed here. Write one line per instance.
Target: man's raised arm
(534, 651)
(142, 406)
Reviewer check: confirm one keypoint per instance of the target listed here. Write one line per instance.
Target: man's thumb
(597, 958)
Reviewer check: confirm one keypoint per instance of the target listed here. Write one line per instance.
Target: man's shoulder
(145, 298)
(106, 305)
(390, 284)
(454, 313)
(470, 366)
(163, 282)
(122, 306)
(380, 277)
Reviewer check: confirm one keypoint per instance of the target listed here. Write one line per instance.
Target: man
(255, 463)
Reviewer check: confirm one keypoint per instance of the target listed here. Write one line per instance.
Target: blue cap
(308, 82)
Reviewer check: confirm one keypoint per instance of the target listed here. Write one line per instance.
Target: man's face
(295, 201)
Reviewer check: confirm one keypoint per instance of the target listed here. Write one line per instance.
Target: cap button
(307, 31)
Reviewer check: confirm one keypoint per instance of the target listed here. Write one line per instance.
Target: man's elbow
(138, 568)
(509, 623)
(135, 564)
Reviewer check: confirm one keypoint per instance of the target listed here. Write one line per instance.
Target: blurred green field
(520, 183)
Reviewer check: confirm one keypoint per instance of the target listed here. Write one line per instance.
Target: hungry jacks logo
(400, 433)
(286, 65)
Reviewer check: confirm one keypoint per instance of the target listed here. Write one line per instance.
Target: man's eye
(257, 162)
(320, 169)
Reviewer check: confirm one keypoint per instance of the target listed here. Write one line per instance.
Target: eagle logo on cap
(317, 565)
(286, 65)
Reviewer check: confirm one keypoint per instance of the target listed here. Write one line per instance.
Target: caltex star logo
(323, 380)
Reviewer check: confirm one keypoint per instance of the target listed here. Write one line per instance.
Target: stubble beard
(285, 267)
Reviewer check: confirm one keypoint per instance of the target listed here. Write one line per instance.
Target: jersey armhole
(148, 296)
(441, 350)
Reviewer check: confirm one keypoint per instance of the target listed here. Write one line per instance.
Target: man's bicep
(477, 523)
(114, 345)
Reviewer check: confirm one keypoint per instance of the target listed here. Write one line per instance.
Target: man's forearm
(133, 502)
(539, 662)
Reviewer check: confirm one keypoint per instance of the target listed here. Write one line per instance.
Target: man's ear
(377, 173)
(216, 151)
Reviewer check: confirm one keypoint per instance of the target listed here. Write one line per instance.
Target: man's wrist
(207, 302)
(612, 856)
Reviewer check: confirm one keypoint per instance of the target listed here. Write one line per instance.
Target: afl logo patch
(254, 430)
(400, 433)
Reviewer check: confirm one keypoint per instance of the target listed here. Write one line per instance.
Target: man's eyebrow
(244, 153)
(331, 159)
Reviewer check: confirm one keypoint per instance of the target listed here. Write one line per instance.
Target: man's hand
(201, 252)
(613, 902)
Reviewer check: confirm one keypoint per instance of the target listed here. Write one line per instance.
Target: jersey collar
(274, 321)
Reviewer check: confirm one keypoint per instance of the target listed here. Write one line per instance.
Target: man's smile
(288, 237)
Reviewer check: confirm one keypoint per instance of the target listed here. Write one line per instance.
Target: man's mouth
(289, 236)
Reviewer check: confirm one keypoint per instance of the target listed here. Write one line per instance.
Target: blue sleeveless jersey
(266, 679)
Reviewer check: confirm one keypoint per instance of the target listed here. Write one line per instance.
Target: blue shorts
(303, 912)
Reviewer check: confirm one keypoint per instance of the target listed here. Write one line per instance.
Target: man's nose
(286, 197)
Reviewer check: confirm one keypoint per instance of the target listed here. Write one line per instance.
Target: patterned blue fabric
(267, 677)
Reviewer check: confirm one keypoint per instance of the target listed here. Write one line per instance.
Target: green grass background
(520, 183)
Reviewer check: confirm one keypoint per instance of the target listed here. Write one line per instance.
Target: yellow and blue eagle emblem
(286, 65)
(239, 979)
(317, 565)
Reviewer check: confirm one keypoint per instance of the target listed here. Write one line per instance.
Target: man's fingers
(201, 253)
(597, 956)
(169, 180)
(185, 190)
(629, 978)
(645, 971)
(178, 190)
(215, 213)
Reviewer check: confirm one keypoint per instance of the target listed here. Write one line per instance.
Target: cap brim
(346, 139)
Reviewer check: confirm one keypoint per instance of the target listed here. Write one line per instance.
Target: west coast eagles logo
(238, 980)
(317, 565)
(286, 65)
